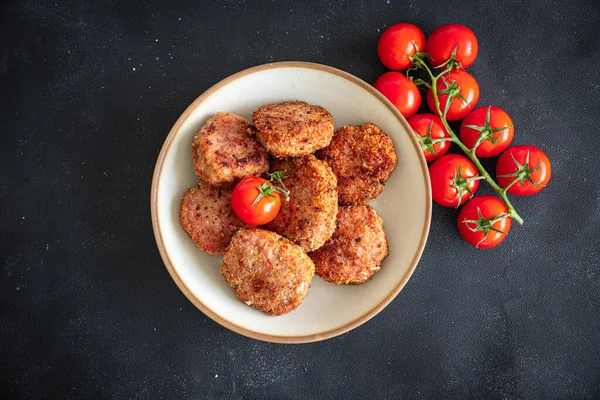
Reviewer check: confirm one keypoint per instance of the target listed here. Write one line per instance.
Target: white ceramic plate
(404, 205)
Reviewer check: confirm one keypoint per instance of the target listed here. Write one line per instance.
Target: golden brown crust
(292, 128)
(207, 217)
(355, 251)
(363, 158)
(308, 218)
(267, 271)
(223, 152)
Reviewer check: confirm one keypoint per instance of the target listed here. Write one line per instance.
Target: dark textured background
(88, 93)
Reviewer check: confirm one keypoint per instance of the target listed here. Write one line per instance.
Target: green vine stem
(469, 152)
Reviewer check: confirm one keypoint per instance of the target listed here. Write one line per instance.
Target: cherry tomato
(244, 195)
(528, 165)
(397, 43)
(481, 222)
(401, 91)
(429, 129)
(445, 39)
(451, 180)
(452, 81)
(491, 122)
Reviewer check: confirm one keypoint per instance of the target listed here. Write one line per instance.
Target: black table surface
(89, 92)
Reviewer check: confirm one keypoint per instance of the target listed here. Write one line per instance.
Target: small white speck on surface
(155, 329)
(129, 58)
(134, 68)
(17, 288)
(140, 64)
(179, 19)
(47, 247)
(23, 217)
(149, 87)
(156, 40)
(216, 375)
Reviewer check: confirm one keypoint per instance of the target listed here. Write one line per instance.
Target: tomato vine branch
(418, 61)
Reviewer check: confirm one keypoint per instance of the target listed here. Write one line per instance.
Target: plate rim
(181, 283)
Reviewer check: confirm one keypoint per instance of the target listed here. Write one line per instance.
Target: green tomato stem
(470, 153)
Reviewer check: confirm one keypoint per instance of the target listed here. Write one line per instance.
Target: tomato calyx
(485, 225)
(279, 176)
(427, 142)
(486, 131)
(420, 82)
(523, 173)
(451, 63)
(460, 184)
(267, 188)
(452, 90)
(415, 59)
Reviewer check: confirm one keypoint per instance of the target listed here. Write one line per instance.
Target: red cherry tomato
(481, 222)
(532, 172)
(430, 129)
(494, 124)
(401, 91)
(246, 192)
(397, 43)
(445, 39)
(469, 89)
(451, 183)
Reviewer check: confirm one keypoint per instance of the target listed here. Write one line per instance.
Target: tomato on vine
(525, 170)
(401, 91)
(454, 179)
(452, 95)
(452, 44)
(431, 133)
(458, 93)
(489, 129)
(256, 201)
(484, 221)
(398, 43)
